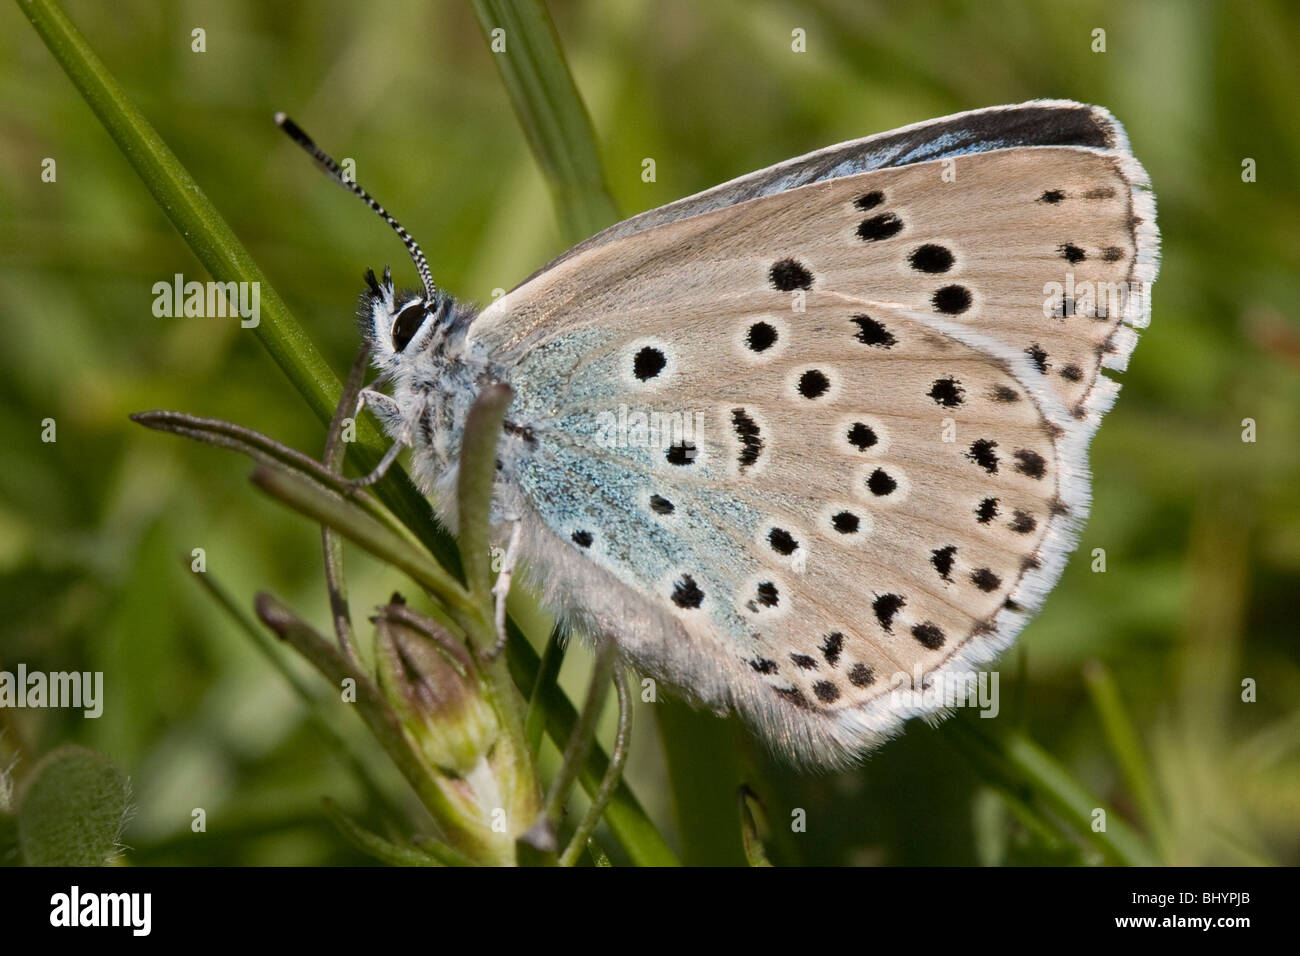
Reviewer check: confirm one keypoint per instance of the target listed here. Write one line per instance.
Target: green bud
(433, 684)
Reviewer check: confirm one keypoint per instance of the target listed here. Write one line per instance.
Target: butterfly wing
(792, 447)
(1035, 123)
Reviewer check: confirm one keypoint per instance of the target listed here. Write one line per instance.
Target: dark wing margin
(1035, 123)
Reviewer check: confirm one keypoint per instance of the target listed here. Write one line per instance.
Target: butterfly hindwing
(820, 543)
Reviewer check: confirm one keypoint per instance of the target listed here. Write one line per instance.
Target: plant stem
(579, 745)
(624, 816)
(321, 506)
(550, 110)
(474, 485)
(749, 836)
(385, 850)
(547, 674)
(332, 458)
(613, 773)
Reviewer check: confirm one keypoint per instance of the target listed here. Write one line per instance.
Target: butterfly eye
(408, 323)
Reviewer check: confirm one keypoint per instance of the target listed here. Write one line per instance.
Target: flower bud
(433, 684)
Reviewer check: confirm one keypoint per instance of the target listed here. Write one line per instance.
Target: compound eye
(408, 322)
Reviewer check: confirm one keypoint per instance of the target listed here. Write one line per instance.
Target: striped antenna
(326, 162)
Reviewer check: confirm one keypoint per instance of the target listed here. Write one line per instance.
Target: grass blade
(1023, 762)
(550, 110)
(1125, 744)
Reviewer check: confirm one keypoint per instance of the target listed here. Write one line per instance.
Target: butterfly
(808, 442)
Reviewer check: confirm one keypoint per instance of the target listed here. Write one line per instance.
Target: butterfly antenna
(327, 163)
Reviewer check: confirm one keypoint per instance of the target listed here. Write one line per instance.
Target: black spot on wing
(860, 675)
(952, 300)
(1022, 522)
(868, 201)
(648, 363)
(831, 647)
(814, 384)
(928, 635)
(942, 559)
(826, 691)
(751, 440)
(792, 694)
(686, 593)
(881, 227)
(1038, 355)
(788, 275)
(862, 436)
(1030, 463)
(886, 606)
(782, 541)
(761, 337)
(947, 392)
(1071, 253)
(881, 483)
(845, 522)
(872, 332)
(931, 258)
(982, 453)
(681, 454)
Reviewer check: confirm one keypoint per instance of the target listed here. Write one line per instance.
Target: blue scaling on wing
(548, 370)
(597, 501)
(591, 477)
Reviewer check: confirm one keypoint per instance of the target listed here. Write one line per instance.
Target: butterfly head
(399, 324)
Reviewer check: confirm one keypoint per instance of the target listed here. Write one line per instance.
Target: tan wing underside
(1012, 425)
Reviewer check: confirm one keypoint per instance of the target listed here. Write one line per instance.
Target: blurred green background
(1201, 530)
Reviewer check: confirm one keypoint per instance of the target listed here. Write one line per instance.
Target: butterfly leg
(501, 590)
(386, 410)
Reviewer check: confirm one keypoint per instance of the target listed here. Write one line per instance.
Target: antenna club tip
(280, 118)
